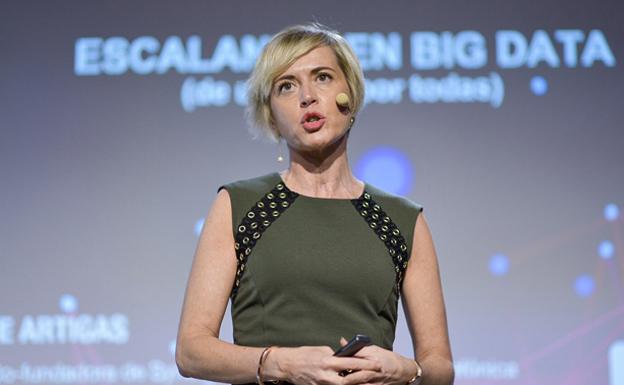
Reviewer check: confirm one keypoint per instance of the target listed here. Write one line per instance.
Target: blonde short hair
(284, 49)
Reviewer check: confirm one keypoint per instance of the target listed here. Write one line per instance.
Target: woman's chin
(320, 142)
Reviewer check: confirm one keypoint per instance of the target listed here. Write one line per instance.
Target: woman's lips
(314, 126)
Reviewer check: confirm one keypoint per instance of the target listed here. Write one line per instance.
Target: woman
(312, 255)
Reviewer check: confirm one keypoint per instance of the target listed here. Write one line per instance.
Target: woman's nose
(307, 96)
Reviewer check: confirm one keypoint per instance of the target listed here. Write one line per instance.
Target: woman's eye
(324, 76)
(284, 87)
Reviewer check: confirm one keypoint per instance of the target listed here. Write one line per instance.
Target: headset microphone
(342, 100)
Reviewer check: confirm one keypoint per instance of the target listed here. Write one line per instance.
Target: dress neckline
(279, 179)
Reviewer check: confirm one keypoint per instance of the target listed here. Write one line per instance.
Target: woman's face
(303, 101)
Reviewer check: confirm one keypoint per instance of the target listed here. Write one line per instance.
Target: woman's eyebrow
(321, 68)
(284, 77)
(314, 71)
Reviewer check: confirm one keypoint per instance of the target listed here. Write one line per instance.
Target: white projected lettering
(542, 50)
(86, 56)
(60, 373)
(457, 89)
(71, 327)
(514, 50)
(154, 371)
(144, 45)
(597, 49)
(569, 39)
(68, 329)
(376, 51)
(450, 89)
(115, 59)
(146, 55)
(161, 372)
(490, 370)
(204, 93)
(8, 375)
(384, 90)
(172, 56)
(431, 50)
(6, 330)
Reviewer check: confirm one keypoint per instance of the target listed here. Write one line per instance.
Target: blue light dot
(199, 225)
(539, 85)
(611, 212)
(584, 286)
(387, 168)
(499, 265)
(606, 249)
(68, 303)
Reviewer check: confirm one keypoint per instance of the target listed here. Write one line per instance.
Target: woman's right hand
(312, 365)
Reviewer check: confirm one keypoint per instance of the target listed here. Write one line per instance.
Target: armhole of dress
(233, 217)
(418, 209)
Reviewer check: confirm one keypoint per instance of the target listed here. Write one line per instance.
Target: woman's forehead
(318, 57)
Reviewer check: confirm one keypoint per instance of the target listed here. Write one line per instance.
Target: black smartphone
(353, 346)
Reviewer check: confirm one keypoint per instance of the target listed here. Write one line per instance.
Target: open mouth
(311, 117)
(313, 122)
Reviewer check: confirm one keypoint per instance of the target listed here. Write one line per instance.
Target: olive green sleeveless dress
(311, 270)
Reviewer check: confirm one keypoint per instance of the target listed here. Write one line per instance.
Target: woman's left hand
(395, 369)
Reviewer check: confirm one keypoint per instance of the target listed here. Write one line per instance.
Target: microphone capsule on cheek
(342, 99)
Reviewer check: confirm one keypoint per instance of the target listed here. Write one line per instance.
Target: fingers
(343, 341)
(361, 377)
(355, 364)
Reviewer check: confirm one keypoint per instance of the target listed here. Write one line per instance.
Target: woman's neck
(322, 177)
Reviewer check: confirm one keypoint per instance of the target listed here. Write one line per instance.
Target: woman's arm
(199, 352)
(424, 308)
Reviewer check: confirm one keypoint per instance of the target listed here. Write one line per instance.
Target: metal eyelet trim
(387, 231)
(255, 222)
